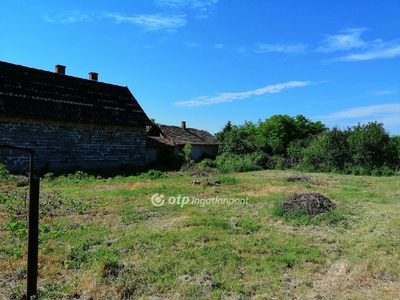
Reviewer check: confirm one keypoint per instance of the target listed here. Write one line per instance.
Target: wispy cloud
(200, 8)
(358, 49)
(280, 48)
(218, 46)
(347, 40)
(72, 17)
(229, 97)
(152, 22)
(365, 111)
(387, 114)
(384, 92)
(192, 44)
(377, 53)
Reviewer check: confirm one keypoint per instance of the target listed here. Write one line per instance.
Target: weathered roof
(158, 142)
(176, 135)
(42, 95)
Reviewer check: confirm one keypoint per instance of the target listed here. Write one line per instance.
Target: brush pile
(310, 203)
(302, 178)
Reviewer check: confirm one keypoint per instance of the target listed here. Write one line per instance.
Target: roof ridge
(69, 76)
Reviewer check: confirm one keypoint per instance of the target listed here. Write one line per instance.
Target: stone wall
(68, 146)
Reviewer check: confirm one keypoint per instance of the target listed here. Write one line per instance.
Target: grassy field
(104, 239)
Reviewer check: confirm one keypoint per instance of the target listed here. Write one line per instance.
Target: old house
(159, 136)
(70, 122)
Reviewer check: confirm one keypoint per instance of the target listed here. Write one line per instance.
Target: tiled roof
(42, 95)
(180, 136)
(158, 142)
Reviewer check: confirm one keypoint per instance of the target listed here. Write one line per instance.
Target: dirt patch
(309, 203)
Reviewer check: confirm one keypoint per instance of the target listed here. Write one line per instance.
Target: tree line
(282, 142)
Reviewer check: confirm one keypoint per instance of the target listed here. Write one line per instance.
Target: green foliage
(242, 139)
(153, 174)
(187, 153)
(230, 180)
(77, 177)
(17, 228)
(283, 142)
(49, 176)
(280, 131)
(249, 224)
(236, 163)
(4, 175)
(207, 163)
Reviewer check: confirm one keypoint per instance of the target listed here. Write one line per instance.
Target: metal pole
(33, 231)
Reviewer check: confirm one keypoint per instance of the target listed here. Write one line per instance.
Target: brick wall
(67, 146)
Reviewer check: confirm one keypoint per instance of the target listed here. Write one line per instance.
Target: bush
(49, 176)
(4, 175)
(153, 174)
(207, 163)
(228, 163)
(387, 171)
(361, 170)
(229, 180)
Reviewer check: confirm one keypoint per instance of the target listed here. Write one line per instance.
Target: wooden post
(33, 224)
(33, 238)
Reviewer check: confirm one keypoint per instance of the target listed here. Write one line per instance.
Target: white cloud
(384, 92)
(379, 53)
(72, 17)
(201, 8)
(349, 39)
(387, 114)
(229, 97)
(218, 46)
(293, 48)
(152, 22)
(365, 111)
(192, 44)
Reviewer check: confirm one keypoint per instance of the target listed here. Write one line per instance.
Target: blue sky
(208, 62)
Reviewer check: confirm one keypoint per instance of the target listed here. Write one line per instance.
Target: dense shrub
(236, 163)
(207, 163)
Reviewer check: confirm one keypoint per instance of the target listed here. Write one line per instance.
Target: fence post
(33, 238)
(33, 224)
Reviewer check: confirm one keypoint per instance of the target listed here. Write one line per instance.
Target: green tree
(371, 146)
(241, 139)
(327, 152)
(280, 131)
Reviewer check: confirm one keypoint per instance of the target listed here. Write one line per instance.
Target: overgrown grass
(101, 238)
